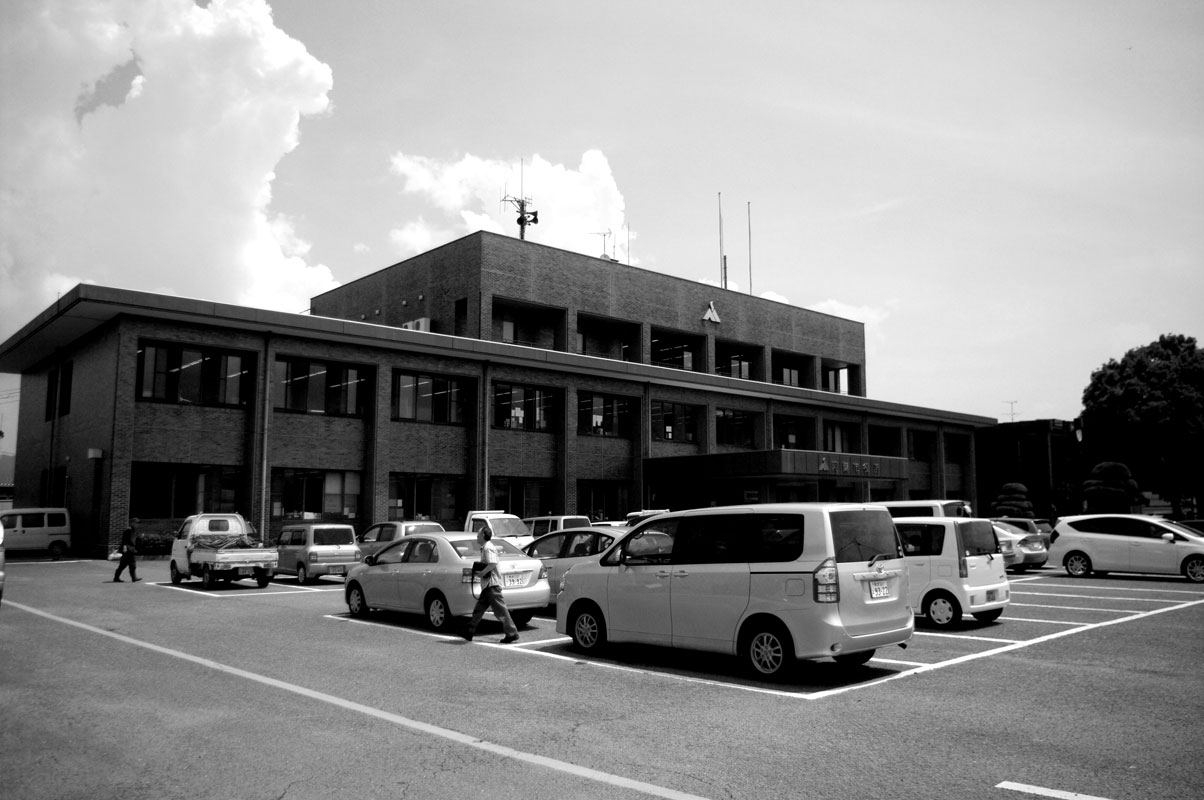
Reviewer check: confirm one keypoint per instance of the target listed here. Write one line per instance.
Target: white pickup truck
(504, 525)
(219, 547)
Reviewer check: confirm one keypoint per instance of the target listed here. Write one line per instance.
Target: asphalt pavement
(1083, 689)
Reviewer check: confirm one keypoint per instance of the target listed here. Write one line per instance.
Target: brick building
(490, 372)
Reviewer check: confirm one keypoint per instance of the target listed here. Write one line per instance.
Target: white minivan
(46, 529)
(772, 584)
(954, 566)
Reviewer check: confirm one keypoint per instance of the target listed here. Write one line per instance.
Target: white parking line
(1044, 621)
(271, 590)
(967, 636)
(465, 740)
(1085, 587)
(1082, 608)
(1043, 792)
(1093, 597)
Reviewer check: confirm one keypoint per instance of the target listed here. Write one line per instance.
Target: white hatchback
(771, 583)
(1102, 543)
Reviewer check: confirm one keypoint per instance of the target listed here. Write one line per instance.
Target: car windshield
(508, 526)
(468, 548)
(1184, 529)
(862, 534)
(341, 535)
(978, 537)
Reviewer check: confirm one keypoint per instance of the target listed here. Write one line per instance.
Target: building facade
(487, 373)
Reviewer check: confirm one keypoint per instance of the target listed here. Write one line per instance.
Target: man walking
(128, 551)
(491, 591)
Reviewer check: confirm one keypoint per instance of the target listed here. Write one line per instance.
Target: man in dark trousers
(128, 551)
(491, 591)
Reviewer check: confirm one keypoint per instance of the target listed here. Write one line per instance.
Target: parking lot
(1074, 692)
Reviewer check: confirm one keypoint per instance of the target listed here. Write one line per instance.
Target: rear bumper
(985, 598)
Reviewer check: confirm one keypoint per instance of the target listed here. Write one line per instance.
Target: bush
(154, 544)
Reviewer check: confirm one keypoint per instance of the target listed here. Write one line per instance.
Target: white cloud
(575, 205)
(156, 175)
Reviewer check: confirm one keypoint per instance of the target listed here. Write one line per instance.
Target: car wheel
(854, 659)
(769, 652)
(437, 614)
(176, 575)
(521, 618)
(208, 580)
(302, 574)
(941, 609)
(989, 616)
(1193, 570)
(357, 604)
(1077, 564)
(262, 578)
(57, 550)
(588, 629)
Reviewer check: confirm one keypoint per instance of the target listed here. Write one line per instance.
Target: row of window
(210, 376)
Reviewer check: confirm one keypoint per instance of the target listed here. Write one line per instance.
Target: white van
(954, 566)
(927, 508)
(539, 526)
(770, 583)
(38, 529)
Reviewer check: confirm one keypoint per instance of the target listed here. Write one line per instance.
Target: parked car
(559, 551)
(311, 549)
(1, 559)
(1037, 527)
(636, 517)
(380, 534)
(927, 508)
(1021, 550)
(954, 566)
(1103, 543)
(38, 529)
(431, 574)
(770, 583)
(538, 526)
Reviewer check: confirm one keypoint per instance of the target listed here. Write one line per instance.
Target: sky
(1008, 195)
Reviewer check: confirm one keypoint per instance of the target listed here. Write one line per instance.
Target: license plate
(337, 570)
(246, 570)
(879, 589)
(992, 595)
(516, 578)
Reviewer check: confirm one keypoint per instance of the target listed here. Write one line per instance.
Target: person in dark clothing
(491, 591)
(128, 551)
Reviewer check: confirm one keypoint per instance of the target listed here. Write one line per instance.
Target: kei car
(431, 574)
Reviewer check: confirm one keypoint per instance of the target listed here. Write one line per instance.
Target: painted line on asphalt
(1083, 587)
(1094, 597)
(396, 719)
(1083, 608)
(967, 636)
(1043, 792)
(1044, 621)
(271, 590)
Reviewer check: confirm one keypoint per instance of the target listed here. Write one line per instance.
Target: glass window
(427, 398)
(862, 534)
(525, 407)
(673, 421)
(711, 539)
(603, 415)
(920, 539)
(319, 387)
(735, 427)
(548, 547)
(978, 537)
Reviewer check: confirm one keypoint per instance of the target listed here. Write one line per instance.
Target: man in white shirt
(491, 591)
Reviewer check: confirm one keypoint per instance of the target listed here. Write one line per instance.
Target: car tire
(303, 574)
(262, 578)
(176, 575)
(1077, 564)
(768, 651)
(208, 579)
(941, 609)
(988, 616)
(588, 629)
(521, 618)
(57, 550)
(357, 603)
(855, 659)
(1193, 569)
(438, 616)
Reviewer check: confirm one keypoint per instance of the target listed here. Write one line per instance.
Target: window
(735, 427)
(315, 494)
(673, 422)
(189, 375)
(861, 535)
(603, 415)
(920, 539)
(320, 387)
(527, 408)
(58, 391)
(840, 437)
(428, 398)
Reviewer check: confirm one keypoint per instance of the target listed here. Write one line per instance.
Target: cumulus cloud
(576, 205)
(139, 149)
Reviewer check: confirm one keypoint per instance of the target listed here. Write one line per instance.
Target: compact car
(954, 566)
(311, 549)
(1103, 543)
(1021, 550)
(431, 574)
(380, 534)
(559, 551)
(1036, 527)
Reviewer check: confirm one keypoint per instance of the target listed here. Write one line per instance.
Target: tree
(1013, 502)
(1110, 490)
(1147, 411)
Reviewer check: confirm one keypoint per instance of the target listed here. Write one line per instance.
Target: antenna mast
(525, 216)
(722, 255)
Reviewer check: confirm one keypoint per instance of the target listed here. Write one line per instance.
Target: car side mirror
(1168, 537)
(370, 559)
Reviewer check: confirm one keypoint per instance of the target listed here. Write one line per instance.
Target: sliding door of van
(709, 580)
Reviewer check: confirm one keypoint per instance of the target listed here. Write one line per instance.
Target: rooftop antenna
(1012, 412)
(750, 247)
(604, 234)
(525, 215)
(722, 255)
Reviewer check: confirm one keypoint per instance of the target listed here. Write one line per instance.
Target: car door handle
(662, 573)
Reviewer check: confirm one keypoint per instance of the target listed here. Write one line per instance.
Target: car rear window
(468, 548)
(978, 537)
(334, 536)
(861, 534)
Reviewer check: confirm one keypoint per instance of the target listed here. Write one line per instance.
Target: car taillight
(827, 586)
(961, 567)
(543, 572)
(466, 575)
